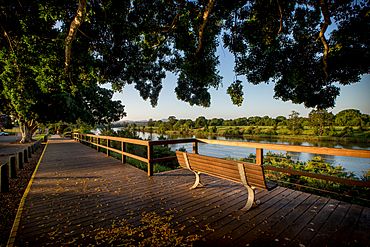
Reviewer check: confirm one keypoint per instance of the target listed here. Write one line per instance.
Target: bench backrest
(226, 169)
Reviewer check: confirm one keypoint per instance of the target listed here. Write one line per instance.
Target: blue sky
(258, 99)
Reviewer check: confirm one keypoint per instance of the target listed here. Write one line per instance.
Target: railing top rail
(360, 153)
(120, 139)
(176, 141)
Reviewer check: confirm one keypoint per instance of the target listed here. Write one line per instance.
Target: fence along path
(77, 190)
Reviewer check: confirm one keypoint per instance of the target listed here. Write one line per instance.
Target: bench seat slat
(249, 167)
(218, 162)
(254, 171)
(206, 167)
(257, 183)
(211, 159)
(254, 177)
(211, 171)
(216, 167)
(253, 181)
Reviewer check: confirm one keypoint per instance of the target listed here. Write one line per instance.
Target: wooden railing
(95, 141)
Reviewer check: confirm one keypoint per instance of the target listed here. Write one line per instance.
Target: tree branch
(173, 24)
(12, 49)
(325, 12)
(281, 17)
(8, 38)
(76, 23)
(206, 13)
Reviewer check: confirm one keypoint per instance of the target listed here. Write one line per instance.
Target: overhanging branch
(325, 12)
(206, 13)
(281, 17)
(76, 23)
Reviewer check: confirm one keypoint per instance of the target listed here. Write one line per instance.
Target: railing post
(98, 143)
(4, 177)
(12, 167)
(259, 156)
(20, 160)
(29, 152)
(25, 155)
(195, 147)
(123, 149)
(150, 165)
(108, 144)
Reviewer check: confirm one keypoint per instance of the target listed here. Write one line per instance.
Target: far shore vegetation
(350, 124)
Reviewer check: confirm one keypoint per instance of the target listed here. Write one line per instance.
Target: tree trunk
(28, 128)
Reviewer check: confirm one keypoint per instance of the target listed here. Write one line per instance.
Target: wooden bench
(249, 174)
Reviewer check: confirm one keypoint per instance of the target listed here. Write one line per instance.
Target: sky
(258, 99)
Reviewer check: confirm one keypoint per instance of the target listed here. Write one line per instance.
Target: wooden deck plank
(361, 231)
(313, 227)
(219, 216)
(270, 228)
(242, 222)
(295, 226)
(330, 226)
(345, 230)
(77, 190)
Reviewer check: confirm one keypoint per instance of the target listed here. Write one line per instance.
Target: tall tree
(34, 87)
(200, 122)
(319, 119)
(348, 117)
(294, 123)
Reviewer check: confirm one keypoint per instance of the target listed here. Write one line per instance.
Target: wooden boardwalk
(77, 190)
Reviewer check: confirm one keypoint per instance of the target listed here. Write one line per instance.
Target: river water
(356, 165)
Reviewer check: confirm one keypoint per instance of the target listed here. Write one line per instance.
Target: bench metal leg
(250, 202)
(197, 180)
(197, 174)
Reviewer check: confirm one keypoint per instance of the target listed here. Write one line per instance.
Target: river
(358, 166)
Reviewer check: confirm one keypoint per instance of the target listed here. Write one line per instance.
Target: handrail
(176, 141)
(258, 146)
(360, 153)
(120, 139)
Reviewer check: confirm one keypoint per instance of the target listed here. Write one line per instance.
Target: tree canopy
(56, 53)
(287, 43)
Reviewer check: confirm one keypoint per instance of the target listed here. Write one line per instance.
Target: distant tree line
(320, 122)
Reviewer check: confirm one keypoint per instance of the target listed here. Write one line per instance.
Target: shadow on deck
(77, 190)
